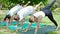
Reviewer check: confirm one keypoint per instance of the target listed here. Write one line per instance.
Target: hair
(16, 18)
(7, 16)
(31, 19)
(21, 3)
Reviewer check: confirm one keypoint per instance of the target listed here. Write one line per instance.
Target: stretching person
(25, 12)
(37, 17)
(13, 11)
(48, 13)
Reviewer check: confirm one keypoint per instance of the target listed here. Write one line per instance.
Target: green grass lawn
(5, 30)
(53, 32)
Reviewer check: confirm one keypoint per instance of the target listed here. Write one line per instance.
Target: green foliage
(11, 3)
(7, 4)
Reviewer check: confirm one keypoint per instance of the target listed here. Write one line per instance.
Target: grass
(47, 21)
(52, 32)
(2, 14)
(5, 30)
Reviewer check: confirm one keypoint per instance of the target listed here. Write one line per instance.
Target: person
(38, 16)
(13, 11)
(24, 13)
(48, 13)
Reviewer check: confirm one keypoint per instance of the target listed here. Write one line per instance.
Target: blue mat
(3, 23)
(25, 25)
(14, 23)
(11, 27)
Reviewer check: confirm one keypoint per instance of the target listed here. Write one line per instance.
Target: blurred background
(5, 5)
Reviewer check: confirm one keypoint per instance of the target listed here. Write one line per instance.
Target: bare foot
(57, 28)
(34, 33)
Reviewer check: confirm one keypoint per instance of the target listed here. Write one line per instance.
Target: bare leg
(28, 27)
(20, 26)
(21, 23)
(7, 22)
(37, 21)
(36, 29)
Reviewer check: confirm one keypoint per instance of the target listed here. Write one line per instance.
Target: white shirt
(15, 9)
(25, 12)
(39, 13)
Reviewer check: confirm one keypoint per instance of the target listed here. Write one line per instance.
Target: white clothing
(25, 12)
(14, 10)
(39, 13)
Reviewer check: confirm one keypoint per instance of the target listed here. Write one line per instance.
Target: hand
(26, 30)
(34, 32)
